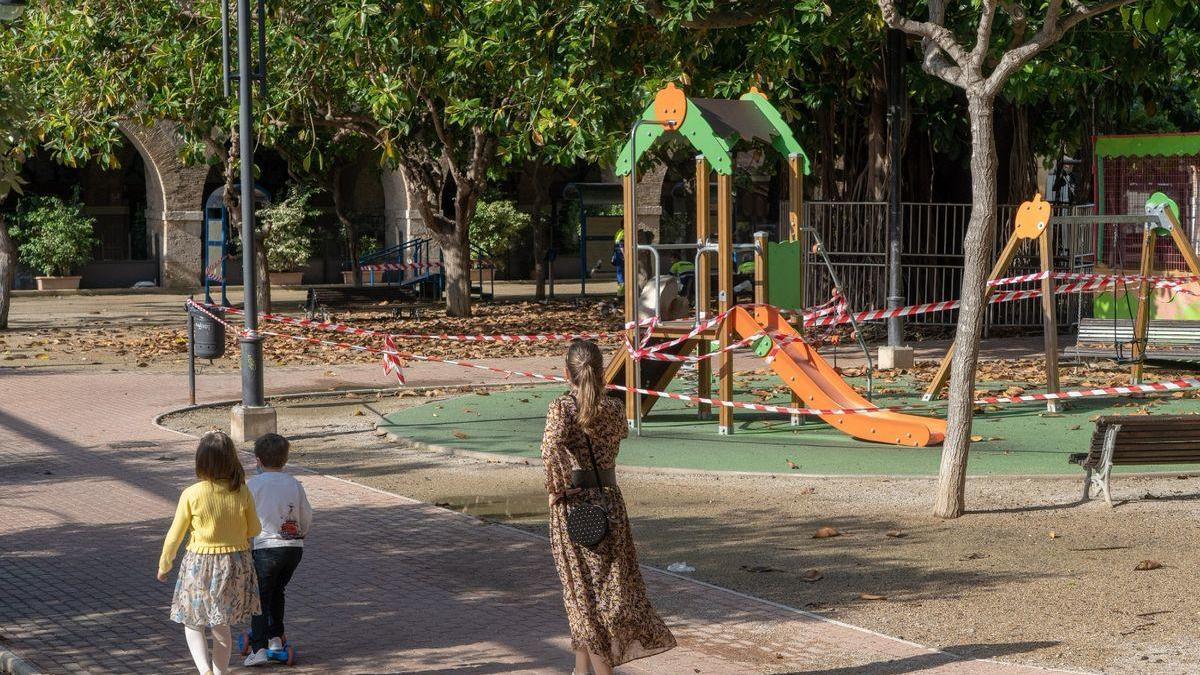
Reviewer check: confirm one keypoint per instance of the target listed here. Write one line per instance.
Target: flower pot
(58, 283)
(287, 278)
(348, 277)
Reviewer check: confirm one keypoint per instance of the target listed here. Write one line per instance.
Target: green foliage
(290, 235)
(53, 237)
(497, 226)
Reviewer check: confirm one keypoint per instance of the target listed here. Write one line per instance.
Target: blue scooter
(286, 655)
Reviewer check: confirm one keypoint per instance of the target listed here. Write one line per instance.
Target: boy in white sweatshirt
(286, 516)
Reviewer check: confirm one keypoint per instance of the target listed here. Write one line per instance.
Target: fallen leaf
(1147, 565)
(810, 576)
(976, 439)
(482, 392)
(871, 596)
(460, 435)
(792, 465)
(827, 532)
(358, 413)
(1053, 534)
(1074, 427)
(896, 534)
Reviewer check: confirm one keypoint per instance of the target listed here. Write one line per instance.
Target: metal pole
(632, 279)
(895, 93)
(192, 356)
(251, 341)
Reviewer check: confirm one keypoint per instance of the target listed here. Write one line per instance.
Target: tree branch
(983, 35)
(944, 57)
(1018, 19)
(1052, 30)
(438, 129)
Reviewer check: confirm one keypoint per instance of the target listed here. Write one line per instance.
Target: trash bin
(208, 334)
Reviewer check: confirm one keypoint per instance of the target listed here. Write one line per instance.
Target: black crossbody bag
(587, 523)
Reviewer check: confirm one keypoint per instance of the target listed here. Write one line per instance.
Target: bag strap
(588, 440)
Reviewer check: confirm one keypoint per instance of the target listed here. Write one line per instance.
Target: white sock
(198, 646)
(222, 647)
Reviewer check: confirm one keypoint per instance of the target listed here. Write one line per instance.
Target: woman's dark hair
(217, 460)
(585, 366)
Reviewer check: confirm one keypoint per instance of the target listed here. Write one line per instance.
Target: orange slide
(819, 386)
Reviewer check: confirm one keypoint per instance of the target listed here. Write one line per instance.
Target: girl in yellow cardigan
(217, 586)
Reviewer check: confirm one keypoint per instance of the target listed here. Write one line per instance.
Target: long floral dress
(605, 597)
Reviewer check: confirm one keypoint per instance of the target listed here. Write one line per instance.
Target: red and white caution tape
(354, 330)
(1184, 384)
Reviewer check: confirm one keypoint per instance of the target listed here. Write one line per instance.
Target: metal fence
(855, 236)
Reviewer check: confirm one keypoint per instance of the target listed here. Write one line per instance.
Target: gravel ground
(1028, 564)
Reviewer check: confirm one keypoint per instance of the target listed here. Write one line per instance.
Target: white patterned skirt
(215, 589)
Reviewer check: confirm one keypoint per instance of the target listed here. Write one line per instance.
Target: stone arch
(175, 197)
(401, 221)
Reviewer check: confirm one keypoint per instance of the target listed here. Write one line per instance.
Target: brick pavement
(88, 486)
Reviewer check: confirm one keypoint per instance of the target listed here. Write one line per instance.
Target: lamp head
(11, 9)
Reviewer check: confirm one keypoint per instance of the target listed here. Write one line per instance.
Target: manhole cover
(121, 445)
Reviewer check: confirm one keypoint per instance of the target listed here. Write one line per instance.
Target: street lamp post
(253, 418)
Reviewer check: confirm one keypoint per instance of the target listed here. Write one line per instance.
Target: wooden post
(1049, 317)
(796, 234)
(796, 209)
(725, 293)
(703, 277)
(631, 296)
(1142, 323)
(760, 270)
(943, 372)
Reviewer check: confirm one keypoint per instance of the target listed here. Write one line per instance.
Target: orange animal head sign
(1033, 218)
(670, 107)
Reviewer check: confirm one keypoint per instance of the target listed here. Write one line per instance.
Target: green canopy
(714, 126)
(1149, 145)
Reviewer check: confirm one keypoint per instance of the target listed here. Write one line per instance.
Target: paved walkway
(88, 486)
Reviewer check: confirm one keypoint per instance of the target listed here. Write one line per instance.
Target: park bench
(1126, 440)
(347, 296)
(1164, 339)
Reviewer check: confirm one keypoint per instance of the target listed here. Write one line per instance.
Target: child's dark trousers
(274, 567)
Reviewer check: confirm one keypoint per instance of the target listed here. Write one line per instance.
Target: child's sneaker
(257, 658)
(275, 644)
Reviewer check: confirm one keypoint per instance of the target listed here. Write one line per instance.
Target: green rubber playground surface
(1018, 439)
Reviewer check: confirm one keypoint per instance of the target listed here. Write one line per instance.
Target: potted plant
(54, 238)
(290, 236)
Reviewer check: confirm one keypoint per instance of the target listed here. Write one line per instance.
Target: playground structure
(714, 127)
(1034, 223)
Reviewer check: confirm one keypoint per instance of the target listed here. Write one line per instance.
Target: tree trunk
(826, 177)
(1022, 166)
(8, 271)
(538, 177)
(349, 226)
(877, 148)
(456, 266)
(978, 254)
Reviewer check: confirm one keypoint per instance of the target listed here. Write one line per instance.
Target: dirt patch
(1029, 575)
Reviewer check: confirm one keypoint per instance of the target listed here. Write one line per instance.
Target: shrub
(497, 225)
(290, 235)
(53, 236)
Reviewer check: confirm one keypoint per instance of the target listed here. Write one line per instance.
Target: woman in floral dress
(611, 619)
